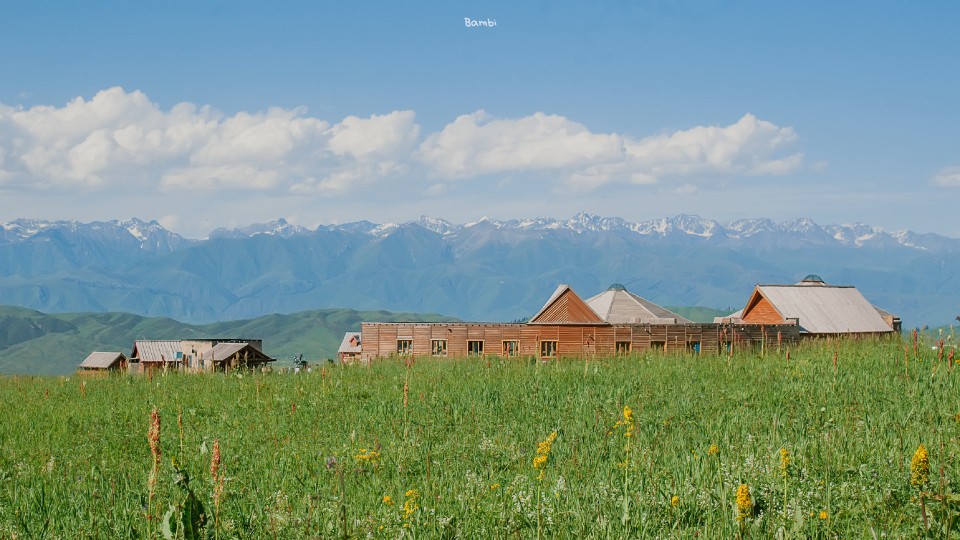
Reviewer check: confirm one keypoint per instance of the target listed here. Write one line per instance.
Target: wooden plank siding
(567, 308)
(379, 340)
(760, 311)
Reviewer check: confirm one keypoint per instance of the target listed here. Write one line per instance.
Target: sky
(221, 114)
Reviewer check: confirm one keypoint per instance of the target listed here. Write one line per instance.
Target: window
(438, 347)
(693, 346)
(404, 346)
(511, 348)
(623, 348)
(657, 345)
(548, 349)
(474, 348)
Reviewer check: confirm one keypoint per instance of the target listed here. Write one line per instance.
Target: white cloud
(475, 145)
(120, 140)
(949, 176)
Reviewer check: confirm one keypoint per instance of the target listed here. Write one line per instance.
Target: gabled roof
(223, 351)
(102, 360)
(617, 305)
(565, 307)
(823, 309)
(350, 343)
(156, 350)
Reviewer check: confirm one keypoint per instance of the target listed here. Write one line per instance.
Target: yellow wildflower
(675, 501)
(370, 457)
(494, 486)
(388, 500)
(744, 504)
(626, 423)
(784, 462)
(823, 514)
(920, 468)
(543, 453)
(410, 505)
(713, 450)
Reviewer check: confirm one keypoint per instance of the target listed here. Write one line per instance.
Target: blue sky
(211, 114)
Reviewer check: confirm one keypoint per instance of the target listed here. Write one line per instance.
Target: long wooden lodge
(615, 322)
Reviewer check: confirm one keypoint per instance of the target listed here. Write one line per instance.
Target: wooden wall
(380, 339)
(761, 311)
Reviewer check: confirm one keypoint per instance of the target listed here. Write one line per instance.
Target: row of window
(548, 349)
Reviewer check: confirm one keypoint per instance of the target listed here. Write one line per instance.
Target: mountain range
(487, 270)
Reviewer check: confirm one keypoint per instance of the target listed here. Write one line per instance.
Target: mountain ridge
(486, 270)
(852, 234)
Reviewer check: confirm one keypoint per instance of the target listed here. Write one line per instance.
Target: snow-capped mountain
(484, 270)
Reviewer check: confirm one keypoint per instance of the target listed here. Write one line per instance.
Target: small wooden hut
(102, 362)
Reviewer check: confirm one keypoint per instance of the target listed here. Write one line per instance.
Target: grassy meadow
(820, 445)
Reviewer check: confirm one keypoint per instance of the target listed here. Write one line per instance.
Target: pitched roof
(350, 343)
(617, 305)
(102, 360)
(223, 351)
(824, 309)
(565, 307)
(156, 350)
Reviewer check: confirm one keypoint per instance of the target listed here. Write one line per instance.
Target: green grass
(75, 462)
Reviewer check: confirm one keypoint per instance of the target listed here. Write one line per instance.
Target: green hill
(54, 344)
(699, 313)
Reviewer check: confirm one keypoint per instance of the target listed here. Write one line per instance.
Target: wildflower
(713, 450)
(675, 501)
(388, 500)
(824, 515)
(153, 435)
(920, 468)
(744, 504)
(543, 454)
(784, 462)
(371, 457)
(410, 505)
(215, 473)
(494, 486)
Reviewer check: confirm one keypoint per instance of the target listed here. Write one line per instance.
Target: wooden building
(197, 354)
(350, 348)
(817, 308)
(103, 362)
(566, 326)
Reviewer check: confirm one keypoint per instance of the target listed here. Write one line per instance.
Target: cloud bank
(121, 140)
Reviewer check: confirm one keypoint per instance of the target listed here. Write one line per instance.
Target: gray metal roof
(102, 360)
(157, 350)
(825, 309)
(222, 351)
(617, 305)
(346, 346)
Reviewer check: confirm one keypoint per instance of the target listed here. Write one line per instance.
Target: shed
(235, 355)
(157, 351)
(350, 347)
(104, 361)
